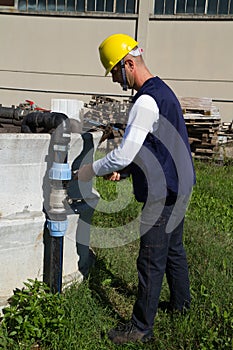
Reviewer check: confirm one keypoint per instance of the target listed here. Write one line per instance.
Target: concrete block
(24, 190)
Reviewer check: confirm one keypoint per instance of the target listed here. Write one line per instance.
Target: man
(156, 147)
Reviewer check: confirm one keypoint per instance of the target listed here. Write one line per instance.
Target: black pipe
(56, 264)
(6, 121)
(16, 113)
(56, 214)
(48, 120)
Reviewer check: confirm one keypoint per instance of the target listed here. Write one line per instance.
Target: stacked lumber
(108, 114)
(105, 110)
(225, 134)
(202, 120)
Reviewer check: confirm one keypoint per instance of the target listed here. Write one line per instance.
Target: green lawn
(98, 304)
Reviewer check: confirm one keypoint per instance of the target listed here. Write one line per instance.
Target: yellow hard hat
(114, 48)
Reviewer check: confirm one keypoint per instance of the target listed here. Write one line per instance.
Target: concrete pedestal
(24, 188)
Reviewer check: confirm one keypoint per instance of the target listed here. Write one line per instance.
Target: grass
(107, 297)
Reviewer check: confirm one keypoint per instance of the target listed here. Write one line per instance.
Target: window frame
(5, 7)
(75, 12)
(185, 14)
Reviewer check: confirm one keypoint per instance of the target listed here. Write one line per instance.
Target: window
(159, 7)
(200, 6)
(111, 6)
(7, 3)
(205, 7)
(169, 7)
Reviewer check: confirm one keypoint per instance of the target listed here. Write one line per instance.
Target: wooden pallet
(202, 120)
(201, 117)
(198, 105)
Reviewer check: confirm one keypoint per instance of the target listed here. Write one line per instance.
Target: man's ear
(130, 64)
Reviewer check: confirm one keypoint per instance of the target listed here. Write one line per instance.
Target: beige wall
(195, 58)
(54, 55)
(48, 56)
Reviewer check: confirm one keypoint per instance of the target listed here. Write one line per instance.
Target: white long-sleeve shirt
(143, 118)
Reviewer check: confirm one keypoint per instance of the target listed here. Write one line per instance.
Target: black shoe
(165, 306)
(128, 332)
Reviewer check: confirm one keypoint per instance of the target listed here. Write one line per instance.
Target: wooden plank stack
(202, 120)
(225, 134)
(102, 111)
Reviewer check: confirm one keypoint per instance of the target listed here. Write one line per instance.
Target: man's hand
(115, 176)
(85, 173)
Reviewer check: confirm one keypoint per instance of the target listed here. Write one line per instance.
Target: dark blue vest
(163, 167)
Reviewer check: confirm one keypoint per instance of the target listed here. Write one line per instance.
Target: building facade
(49, 48)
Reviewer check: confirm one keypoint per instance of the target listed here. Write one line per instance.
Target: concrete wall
(195, 58)
(44, 57)
(54, 54)
(23, 191)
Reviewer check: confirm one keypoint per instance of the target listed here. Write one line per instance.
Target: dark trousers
(160, 253)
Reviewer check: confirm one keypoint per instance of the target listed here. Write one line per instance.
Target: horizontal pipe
(48, 120)
(6, 121)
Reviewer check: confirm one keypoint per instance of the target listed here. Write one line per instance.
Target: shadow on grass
(110, 289)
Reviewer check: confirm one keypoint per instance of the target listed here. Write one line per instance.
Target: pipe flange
(60, 171)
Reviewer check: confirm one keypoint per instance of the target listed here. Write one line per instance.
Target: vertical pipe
(56, 264)
(57, 221)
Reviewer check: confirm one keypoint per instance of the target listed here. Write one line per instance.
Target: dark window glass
(120, 6)
(41, 5)
(100, 5)
(109, 5)
(212, 7)
(22, 5)
(80, 5)
(51, 5)
(231, 8)
(169, 7)
(200, 8)
(159, 4)
(70, 5)
(91, 5)
(31, 5)
(190, 6)
(180, 7)
(223, 7)
(7, 3)
(60, 5)
(130, 6)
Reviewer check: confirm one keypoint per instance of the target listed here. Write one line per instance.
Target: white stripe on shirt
(143, 118)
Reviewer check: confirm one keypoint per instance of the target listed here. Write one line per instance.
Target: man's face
(129, 72)
(117, 74)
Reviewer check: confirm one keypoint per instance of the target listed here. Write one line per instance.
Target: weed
(34, 316)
